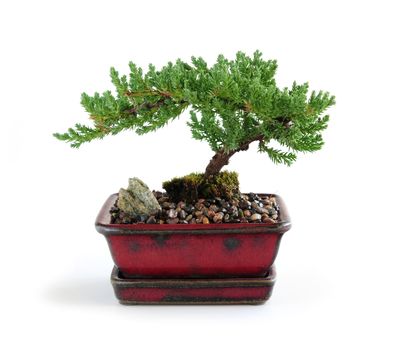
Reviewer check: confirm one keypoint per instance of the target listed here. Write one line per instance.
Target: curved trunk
(221, 158)
(218, 161)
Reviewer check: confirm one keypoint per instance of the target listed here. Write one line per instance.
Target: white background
(337, 285)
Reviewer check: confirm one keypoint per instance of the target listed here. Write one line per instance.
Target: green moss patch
(194, 186)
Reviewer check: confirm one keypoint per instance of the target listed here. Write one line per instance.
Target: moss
(194, 186)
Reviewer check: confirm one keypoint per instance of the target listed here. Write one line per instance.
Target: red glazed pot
(192, 250)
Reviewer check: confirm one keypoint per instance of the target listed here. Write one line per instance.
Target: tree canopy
(232, 104)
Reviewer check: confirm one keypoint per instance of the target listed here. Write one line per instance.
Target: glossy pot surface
(192, 250)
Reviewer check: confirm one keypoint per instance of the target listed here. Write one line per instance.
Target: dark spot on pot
(231, 243)
(161, 239)
(134, 246)
(258, 240)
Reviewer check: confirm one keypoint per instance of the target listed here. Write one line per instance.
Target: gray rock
(137, 199)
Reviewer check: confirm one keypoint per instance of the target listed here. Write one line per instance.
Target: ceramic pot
(192, 250)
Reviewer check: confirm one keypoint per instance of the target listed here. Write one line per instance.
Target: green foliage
(232, 103)
(194, 186)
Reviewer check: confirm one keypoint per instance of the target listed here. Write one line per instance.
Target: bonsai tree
(232, 104)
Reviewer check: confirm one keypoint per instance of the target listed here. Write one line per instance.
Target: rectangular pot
(255, 290)
(192, 250)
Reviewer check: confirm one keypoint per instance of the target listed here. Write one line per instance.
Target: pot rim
(104, 227)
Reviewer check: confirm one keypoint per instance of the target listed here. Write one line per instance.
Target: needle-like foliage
(232, 104)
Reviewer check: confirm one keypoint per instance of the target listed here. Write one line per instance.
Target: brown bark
(221, 158)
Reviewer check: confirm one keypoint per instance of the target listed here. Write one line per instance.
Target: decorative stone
(137, 199)
(141, 218)
(172, 221)
(205, 220)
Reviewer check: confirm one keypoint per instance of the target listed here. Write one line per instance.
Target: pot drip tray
(174, 291)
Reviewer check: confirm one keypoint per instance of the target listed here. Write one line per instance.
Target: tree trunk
(218, 161)
(221, 158)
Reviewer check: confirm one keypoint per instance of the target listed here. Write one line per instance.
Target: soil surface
(247, 208)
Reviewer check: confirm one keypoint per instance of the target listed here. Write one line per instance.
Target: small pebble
(198, 213)
(151, 220)
(267, 220)
(214, 208)
(244, 208)
(256, 217)
(189, 208)
(168, 205)
(218, 217)
(211, 214)
(247, 213)
(198, 206)
(172, 213)
(226, 218)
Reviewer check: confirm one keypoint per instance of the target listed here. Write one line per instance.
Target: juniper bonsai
(232, 104)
